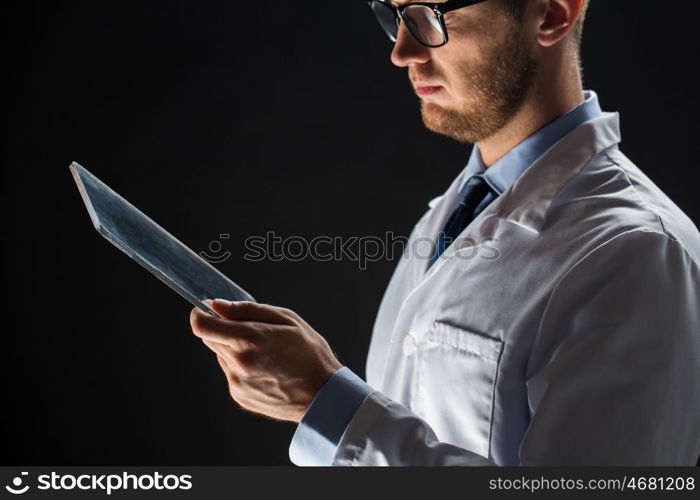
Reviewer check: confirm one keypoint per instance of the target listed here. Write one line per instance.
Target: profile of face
(484, 73)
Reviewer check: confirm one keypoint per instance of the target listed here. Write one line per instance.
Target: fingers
(227, 360)
(221, 350)
(252, 311)
(237, 334)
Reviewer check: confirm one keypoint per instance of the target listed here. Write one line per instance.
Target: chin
(449, 124)
(432, 112)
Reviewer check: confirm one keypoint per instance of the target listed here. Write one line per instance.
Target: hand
(275, 363)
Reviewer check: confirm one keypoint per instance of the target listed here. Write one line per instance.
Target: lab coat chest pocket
(456, 383)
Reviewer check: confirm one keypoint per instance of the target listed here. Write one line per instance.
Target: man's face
(484, 72)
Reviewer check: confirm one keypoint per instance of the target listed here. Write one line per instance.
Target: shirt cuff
(318, 434)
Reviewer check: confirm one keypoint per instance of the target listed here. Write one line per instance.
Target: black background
(238, 117)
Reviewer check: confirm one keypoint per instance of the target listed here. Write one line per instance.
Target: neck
(550, 97)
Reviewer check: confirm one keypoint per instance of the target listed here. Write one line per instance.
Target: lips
(424, 88)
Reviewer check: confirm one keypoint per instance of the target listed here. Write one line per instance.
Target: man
(558, 322)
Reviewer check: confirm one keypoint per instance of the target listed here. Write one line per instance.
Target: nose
(407, 49)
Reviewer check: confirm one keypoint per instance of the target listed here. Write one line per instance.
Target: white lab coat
(573, 339)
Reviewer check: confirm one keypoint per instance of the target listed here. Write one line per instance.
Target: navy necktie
(477, 195)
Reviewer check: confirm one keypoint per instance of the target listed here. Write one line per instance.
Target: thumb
(222, 307)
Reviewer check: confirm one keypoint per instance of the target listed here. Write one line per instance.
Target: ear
(557, 20)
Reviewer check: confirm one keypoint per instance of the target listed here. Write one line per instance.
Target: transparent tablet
(153, 247)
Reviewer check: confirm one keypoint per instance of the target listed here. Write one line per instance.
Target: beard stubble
(498, 88)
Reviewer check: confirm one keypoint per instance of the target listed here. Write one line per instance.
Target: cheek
(456, 67)
(468, 59)
(473, 38)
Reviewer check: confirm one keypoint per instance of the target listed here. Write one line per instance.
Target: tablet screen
(153, 247)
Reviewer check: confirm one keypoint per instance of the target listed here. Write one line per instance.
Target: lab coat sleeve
(618, 375)
(383, 432)
(614, 374)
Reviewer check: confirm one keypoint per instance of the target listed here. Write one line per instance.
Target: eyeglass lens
(421, 20)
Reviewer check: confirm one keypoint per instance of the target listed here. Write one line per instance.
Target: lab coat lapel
(426, 233)
(526, 203)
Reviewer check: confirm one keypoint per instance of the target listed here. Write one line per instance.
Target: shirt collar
(503, 174)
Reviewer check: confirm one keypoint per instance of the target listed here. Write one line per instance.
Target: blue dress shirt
(323, 425)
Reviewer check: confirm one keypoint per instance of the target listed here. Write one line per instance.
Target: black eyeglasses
(424, 20)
